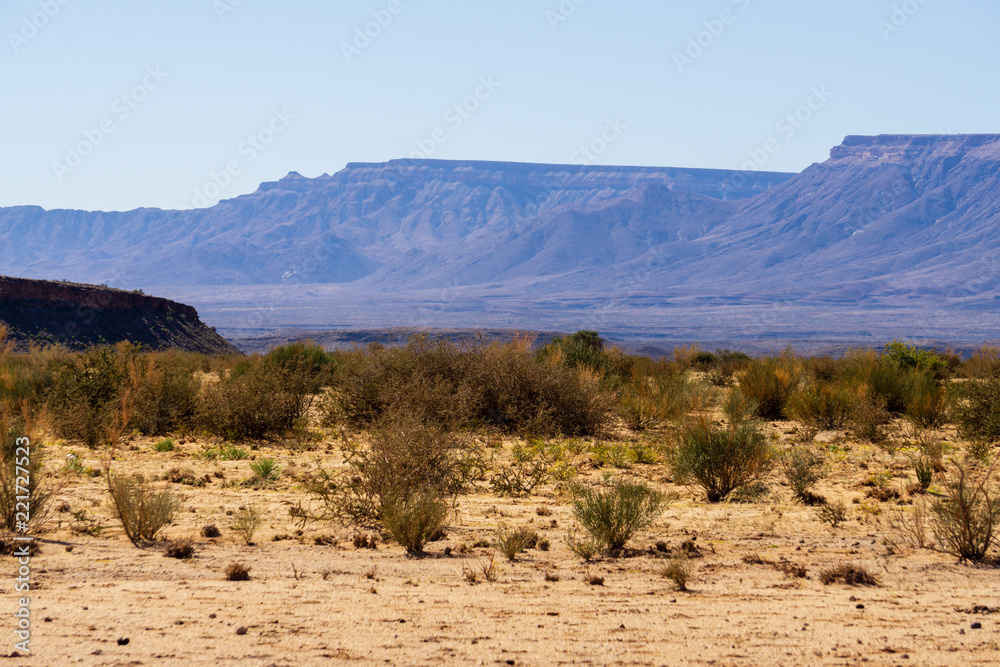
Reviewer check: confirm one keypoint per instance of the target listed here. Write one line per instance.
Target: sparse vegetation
(851, 574)
(612, 514)
(966, 520)
(416, 520)
(246, 522)
(721, 459)
(142, 511)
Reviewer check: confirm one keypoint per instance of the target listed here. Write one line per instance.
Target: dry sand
(317, 604)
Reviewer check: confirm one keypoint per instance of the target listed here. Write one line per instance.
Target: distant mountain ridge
(905, 222)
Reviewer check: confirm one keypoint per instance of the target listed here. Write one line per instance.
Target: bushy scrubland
(424, 423)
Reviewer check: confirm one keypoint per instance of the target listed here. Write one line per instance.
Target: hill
(77, 316)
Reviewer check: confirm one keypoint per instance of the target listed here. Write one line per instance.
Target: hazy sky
(119, 104)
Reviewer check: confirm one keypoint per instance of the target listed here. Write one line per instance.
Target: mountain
(376, 221)
(892, 231)
(77, 316)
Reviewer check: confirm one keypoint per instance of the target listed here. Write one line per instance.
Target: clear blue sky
(627, 78)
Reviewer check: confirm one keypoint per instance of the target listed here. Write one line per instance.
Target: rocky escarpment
(76, 316)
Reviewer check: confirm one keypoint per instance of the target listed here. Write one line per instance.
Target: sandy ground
(312, 604)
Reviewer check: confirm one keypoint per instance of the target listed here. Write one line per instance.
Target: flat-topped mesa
(710, 182)
(907, 147)
(90, 296)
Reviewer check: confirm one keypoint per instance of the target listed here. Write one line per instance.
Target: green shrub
(21, 455)
(728, 364)
(416, 520)
(721, 460)
(142, 511)
(803, 468)
(678, 570)
(163, 393)
(656, 393)
(771, 382)
(823, 405)
(907, 356)
(928, 402)
(965, 521)
(503, 386)
(979, 413)
(164, 445)
(402, 458)
(246, 523)
(587, 349)
(511, 542)
(265, 471)
(613, 513)
(86, 391)
(253, 400)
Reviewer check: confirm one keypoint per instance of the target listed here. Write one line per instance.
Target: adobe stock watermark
(786, 128)
(705, 39)
(900, 16)
(225, 7)
(364, 35)
(561, 14)
(455, 117)
(589, 153)
(121, 108)
(247, 152)
(33, 24)
(22, 539)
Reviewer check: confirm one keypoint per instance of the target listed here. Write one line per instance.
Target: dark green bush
(720, 460)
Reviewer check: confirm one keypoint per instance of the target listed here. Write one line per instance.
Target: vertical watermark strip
(22, 541)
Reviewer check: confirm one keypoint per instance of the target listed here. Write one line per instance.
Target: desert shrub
(929, 399)
(253, 400)
(727, 364)
(771, 382)
(503, 386)
(803, 468)
(848, 573)
(656, 393)
(16, 431)
(678, 570)
(833, 513)
(720, 460)
(584, 549)
(182, 549)
(984, 364)
(510, 542)
(979, 413)
(923, 467)
(164, 445)
(738, 408)
(246, 523)
(966, 519)
(210, 531)
(868, 419)
(587, 349)
(86, 391)
(823, 404)
(404, 456)
(537, 396)
(237, 572)
(612, 514)
(265, 471)
(907, 356)
(416, 520)
(880, 378)
(142, 511)
(530, 468)
(163, 393)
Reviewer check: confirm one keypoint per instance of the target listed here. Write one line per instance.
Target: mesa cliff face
(76, 316)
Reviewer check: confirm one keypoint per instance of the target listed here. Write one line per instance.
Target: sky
(115, 104)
